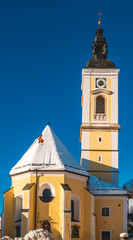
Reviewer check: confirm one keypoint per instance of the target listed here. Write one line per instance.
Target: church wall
(19, 181)
(78, 190)
(51, 211)
(114, 222)
(89, 218)
(9, 213)
(31, 221)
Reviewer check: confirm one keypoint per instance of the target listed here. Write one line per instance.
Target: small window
(47, 195)
(99, 158)
(99, 139)
(105, 235)
(105, 211)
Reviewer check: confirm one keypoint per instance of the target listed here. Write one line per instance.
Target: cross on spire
(99, 22)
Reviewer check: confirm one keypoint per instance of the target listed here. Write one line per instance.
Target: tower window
(99, 158)
(99, 139)
(100, 104)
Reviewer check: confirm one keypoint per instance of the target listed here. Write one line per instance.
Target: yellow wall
(50, 211)
(9, 213)
(87, 215)
(24, 223)
(115, 221)
(77, 188)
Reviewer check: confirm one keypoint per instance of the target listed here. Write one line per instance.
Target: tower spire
(99, 50)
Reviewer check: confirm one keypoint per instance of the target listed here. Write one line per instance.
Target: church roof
(98, 187)
(47, 153)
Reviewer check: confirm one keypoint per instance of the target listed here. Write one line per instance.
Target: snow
(50, 154)
(98, 187)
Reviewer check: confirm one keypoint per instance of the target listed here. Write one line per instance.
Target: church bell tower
(99, 128)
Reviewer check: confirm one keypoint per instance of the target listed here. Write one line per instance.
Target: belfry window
(100, 104)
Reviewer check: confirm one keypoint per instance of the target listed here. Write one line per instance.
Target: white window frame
(109, 211)
(99, 138)
(105, 231)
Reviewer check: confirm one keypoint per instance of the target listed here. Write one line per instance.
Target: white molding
(125, 209)
(63, 224)
(51, 174)
(80, 178)
(94, 105)
(42, 187)
(111, 197)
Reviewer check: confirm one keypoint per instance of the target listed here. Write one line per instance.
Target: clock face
(100, 82)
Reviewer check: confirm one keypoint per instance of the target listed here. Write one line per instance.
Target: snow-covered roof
(98, 187)
(47, 153)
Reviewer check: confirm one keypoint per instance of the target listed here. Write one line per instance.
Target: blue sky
(43, 47)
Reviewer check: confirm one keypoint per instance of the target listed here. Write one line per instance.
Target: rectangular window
(105, 212)
(99, 158)
(105, 235)
(99, 139)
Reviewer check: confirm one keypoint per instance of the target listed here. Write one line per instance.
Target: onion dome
(99, 52)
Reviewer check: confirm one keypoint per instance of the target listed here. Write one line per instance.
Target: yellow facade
(58, 211)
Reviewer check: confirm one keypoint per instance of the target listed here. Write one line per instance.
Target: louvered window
(100, 104)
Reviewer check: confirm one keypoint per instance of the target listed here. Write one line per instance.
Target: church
(50, 189)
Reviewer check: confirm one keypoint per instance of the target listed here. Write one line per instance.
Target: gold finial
(99, 22)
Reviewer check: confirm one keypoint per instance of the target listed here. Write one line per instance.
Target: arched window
(18, 208)
(100, 104)
(75, 208)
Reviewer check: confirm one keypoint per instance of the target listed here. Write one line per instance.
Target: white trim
(125, 210)
(21, 224)
(51, 174)
(70, 225)
(105, 207)
(65, 200)
(63, 224)
(48, 185)
(81, 178)
(114, 100)
(27, 225)
(111, 197)
(105, 231)
(94, 105)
